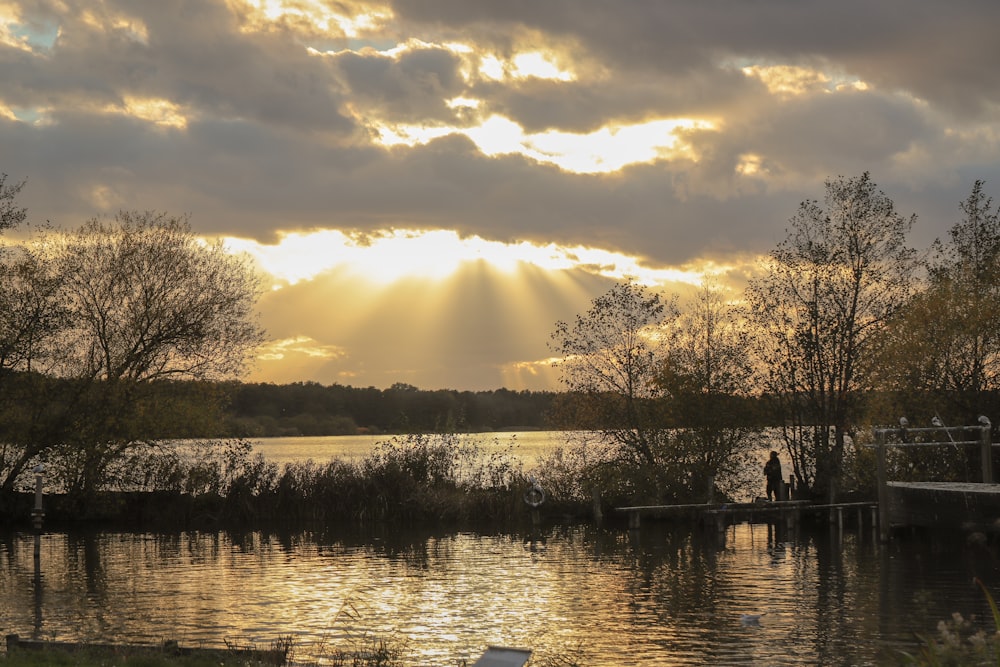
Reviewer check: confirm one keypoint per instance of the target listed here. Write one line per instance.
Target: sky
(428, 186)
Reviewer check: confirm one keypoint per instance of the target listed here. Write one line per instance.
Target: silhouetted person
(772, 472)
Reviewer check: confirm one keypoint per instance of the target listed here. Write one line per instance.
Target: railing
(904, 433)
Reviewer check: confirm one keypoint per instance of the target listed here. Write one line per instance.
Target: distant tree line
(309, 408)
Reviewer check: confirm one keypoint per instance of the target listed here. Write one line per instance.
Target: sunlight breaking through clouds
(791, 80)
(157, 111)
(529, 64)
(320, 15)
(276, 350)
(436, 255)
(603, 151)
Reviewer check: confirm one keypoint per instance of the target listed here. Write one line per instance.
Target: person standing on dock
(772, 472)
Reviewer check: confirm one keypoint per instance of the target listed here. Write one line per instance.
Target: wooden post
(883, 492)
(37, 515)
(986, 447)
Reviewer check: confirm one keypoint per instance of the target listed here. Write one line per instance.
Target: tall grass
(413, 478)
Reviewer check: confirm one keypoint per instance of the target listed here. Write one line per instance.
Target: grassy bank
(93, 658)
(20, 653)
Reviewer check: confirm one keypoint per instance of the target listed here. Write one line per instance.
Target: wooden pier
(721, 515)
(968, 506)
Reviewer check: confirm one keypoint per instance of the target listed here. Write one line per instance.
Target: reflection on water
(525, 446)
(659, 595)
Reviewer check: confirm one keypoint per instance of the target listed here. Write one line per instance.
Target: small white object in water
(750, 619)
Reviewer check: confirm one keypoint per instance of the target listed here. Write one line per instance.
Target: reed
(958, 642)
(447, 479)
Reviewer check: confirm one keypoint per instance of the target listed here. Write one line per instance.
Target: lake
(660, 595)
(526, 446)
(606, 596)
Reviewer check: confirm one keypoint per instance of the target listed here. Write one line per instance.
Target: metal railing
(904, 435)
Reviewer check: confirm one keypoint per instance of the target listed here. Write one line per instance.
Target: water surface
(660, 595)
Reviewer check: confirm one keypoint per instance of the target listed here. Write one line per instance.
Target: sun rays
(429, 302)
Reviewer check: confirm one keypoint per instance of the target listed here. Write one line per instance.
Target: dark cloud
(944, 52)
(416, 85)
(253, 128)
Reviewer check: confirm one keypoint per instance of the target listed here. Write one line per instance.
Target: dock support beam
(882, 483)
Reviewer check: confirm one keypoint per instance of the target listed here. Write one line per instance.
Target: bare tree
(30, 317)
(147, 302)
(609, 358)
(825, 293)
(11, 215)
(709, 376)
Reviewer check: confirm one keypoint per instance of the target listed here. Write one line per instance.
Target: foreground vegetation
(101, 658)
(432, 479)
(49, 658)
(957, 643)
(370, 653)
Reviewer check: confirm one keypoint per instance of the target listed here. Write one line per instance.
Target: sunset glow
(157, 111)
(435, 255)
(427, 187)
(602, 151)
(318, 15)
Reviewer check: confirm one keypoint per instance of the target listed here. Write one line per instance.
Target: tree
(30, 316)
(710, 380)
(148, 302)
(824, 295)
(22, 290)
(609, 360)
(11, 215)
(943, 351)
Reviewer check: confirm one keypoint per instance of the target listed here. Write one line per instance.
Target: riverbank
(33, 653)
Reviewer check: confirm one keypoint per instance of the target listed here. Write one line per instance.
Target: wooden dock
(967, 506)
(940, 505)
(721, 515)
(964, 506)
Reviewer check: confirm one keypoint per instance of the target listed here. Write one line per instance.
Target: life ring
(534, 496)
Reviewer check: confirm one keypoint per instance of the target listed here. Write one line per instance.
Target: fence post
(986, 447)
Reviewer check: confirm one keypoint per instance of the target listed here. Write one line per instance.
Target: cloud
(263, 118)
